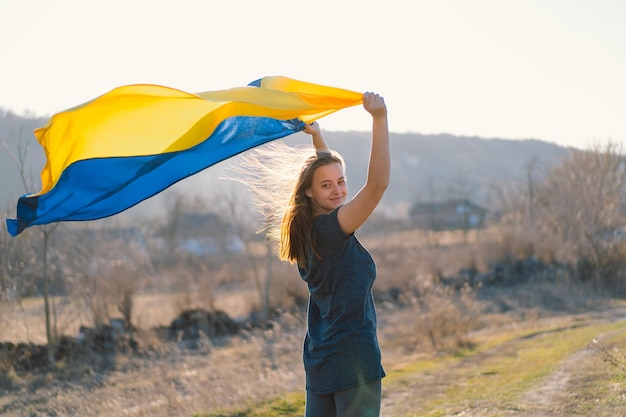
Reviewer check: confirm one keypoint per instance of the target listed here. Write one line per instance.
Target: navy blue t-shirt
(341, 346)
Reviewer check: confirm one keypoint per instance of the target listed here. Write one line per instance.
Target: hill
(424, 166)
(436, 167)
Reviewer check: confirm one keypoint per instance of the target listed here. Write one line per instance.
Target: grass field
(539, 364)
(517, 350)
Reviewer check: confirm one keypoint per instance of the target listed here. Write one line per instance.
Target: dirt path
(583, 383)
(549, 397)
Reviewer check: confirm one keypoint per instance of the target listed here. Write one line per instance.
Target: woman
(341, 353)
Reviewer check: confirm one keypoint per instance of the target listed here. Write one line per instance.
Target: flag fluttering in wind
(113, 152)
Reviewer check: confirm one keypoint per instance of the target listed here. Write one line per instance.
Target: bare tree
(531, 169)
(581, 204)
(240, 214)
(111, 263)
(19, 157)
(196, 250)
(5, 284)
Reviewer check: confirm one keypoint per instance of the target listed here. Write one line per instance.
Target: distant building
(448, 215)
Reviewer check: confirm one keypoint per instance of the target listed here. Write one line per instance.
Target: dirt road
(572, 368)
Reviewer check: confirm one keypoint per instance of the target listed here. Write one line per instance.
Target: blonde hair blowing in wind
(278, 175)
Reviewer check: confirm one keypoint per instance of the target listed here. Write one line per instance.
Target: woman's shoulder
(327, 228)
(326, 219)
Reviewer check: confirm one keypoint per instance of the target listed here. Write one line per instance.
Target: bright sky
(553, 70)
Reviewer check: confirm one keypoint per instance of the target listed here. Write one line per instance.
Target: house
(448, 215)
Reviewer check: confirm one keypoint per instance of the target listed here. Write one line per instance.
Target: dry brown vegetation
(420, 318)
(486, 322)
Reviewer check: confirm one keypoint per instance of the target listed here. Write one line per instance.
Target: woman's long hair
(278, 175)
(295, 228)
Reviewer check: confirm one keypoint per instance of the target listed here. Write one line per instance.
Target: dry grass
(425, 321)
(169, 379)
(246, 370)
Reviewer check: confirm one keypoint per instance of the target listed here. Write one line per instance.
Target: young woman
(341, 354)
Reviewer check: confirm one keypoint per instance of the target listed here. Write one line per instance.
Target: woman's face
(329, 188)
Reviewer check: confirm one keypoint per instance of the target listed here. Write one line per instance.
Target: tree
(18, 156)
(246, 228)
(580, 203)
(515, 205)
(111, 262)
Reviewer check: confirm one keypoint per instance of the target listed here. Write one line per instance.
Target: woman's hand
(317, 138)
(374, 104)
(312, 128)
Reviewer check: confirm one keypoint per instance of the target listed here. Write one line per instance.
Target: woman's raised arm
(354, 213)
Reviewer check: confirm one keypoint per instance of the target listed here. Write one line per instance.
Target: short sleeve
(327, 232)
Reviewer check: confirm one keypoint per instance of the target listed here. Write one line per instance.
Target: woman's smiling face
(329, 188)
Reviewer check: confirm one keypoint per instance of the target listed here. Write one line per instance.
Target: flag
(111, 153)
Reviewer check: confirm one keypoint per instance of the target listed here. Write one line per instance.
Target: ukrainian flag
(133, 142)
